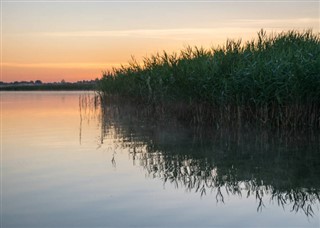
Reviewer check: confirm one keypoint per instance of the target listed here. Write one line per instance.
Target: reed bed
(272, 80)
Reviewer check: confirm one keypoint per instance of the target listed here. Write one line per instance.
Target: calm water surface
(67, 163)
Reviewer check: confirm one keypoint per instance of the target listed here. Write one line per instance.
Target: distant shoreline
(88, 85)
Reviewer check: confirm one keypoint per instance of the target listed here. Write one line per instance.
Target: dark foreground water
(66, 163)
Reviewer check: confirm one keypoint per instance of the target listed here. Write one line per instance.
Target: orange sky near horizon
(51, 41)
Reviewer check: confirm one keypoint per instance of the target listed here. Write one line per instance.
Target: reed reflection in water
(70, 162)
(273, 167)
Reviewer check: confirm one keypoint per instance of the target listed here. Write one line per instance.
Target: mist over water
(70, 161)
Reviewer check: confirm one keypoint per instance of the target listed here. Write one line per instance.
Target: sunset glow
(74, 41)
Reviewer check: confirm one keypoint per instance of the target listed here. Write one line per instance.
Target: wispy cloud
(279, 23)
(230, 27)
(79, 65)
(137, 33)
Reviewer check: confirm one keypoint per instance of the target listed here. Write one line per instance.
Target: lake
(69, 162)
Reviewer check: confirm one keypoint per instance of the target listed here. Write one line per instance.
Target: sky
(79, 40)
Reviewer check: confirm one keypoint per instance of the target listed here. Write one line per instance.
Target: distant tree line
(39, 85)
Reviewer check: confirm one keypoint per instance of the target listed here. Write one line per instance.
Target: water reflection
(275, 167)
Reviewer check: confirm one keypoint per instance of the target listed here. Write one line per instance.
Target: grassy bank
(272, 80)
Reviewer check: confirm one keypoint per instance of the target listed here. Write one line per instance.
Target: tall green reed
(271, 80)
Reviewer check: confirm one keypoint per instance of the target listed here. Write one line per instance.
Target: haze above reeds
(271, 80)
